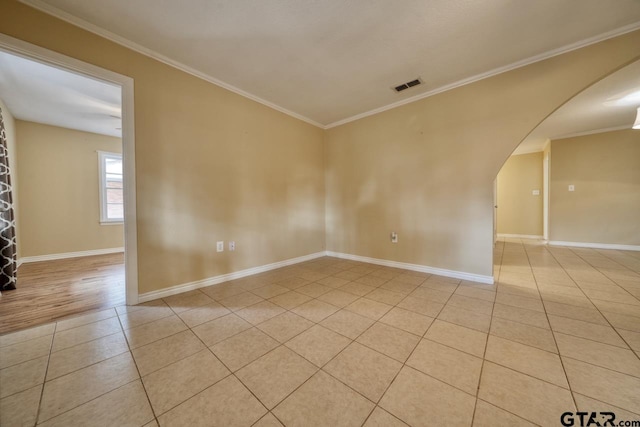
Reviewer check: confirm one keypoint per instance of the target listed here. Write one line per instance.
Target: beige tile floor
(341, 343)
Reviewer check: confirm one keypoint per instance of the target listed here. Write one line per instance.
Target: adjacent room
(573, 180)
(66, 176)
(295, 213)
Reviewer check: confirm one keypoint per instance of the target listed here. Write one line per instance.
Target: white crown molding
(592, 132)
(184, 287)
(65, 16)
(595, 245)
(527, 61)
(416, 267)
(519, 152)
(78, 22)
(65, 255)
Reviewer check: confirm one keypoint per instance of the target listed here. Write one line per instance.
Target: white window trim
(102, 155)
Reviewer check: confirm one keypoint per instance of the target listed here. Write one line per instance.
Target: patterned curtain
(8, 262)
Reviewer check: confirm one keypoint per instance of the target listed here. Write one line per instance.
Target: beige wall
(10, 132)
(519, 211)
(426, 169)
(59, 190)
(210, 164)
(605, 206)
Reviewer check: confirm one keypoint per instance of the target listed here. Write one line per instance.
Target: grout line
(599, 311)
(44, 379)
(575, 404)
(376, 287)
(603, 274)
(507, 411)
(230, 373)
(486, 344)
(320, 369)
(137, 370)
(410, 354)
(95, 398)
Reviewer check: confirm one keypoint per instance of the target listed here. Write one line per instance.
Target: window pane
(113, 165)
(114, 183)
(111, 195)
(115, 211)
(114, 195)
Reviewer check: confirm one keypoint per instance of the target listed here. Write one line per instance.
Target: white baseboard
(416, 267)
(520, 236)
(595, 245)
(177, 289)
(52, 257)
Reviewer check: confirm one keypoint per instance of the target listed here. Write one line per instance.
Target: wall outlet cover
(220, 246)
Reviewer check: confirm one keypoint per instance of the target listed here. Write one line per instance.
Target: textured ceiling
(43, 94)
(328, 61)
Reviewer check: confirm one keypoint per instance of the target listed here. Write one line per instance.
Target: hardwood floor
(50, 290)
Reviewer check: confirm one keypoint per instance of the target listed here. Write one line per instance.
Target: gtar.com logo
(594, 419)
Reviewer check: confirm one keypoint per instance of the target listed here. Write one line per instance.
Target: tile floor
(341, 343)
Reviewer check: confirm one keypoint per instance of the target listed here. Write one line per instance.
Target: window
(111, 192)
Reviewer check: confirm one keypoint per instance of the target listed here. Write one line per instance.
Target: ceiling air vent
(407, 85)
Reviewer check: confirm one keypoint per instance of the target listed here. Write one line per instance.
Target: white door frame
(48, 57)
(546, 171)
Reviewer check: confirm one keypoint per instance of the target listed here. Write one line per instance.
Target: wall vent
(407, 85)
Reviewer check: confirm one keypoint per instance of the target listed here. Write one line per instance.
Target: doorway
(124, 87)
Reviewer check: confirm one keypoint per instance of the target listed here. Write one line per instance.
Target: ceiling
(330, 61)
(610, 104)
(43, 94)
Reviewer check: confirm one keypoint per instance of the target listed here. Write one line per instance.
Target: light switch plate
(572, 187)
(219, 246)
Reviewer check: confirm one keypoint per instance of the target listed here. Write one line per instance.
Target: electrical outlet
(572, 188)
(536, 192)
(220, 246)
(232, 246)
(394, 237)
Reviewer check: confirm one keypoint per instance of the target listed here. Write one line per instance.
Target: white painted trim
(592, 132)
(521, 152)
(520, 236)
(177, 289)
(595, 245)
(522, 63)
(416, 267)
(65, 255)
(78, 22)
(48, 57)
(546, 177)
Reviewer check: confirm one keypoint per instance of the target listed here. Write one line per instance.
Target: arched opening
(568, 199)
